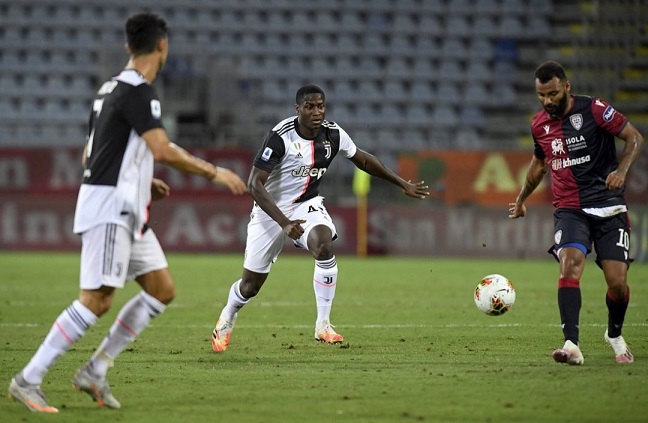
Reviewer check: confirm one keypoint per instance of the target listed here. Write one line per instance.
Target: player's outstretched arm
(370, 164)
(172, 155)
(535, 173)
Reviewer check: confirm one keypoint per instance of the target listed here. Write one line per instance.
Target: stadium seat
(510, 27)
(478, 70)
(417, 115)
(444, 117)
(484, 26)
(487, 8)
(477, 94)
(367, 91)
(450, 71)
(422, 92)
(394, 91)
(430, 24)
(391, 114)
(448, 94)
(480, 48)
(457, 26)
(453, 48)
(471, 117)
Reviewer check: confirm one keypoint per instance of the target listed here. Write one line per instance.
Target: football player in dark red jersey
(574, 139)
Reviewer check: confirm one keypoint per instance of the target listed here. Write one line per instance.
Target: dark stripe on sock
(76, 317)
(326, 264)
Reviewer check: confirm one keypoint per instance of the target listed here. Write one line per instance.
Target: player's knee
(249, 289)
(166, 294)
(323, 251)
(617, 284)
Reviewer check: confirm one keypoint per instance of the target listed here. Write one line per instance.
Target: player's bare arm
(370, 164)
(175, 156)
(256, 188)
(633, 143)
(535, 173)
(159, 189)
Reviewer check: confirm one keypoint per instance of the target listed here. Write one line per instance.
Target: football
(494, 295)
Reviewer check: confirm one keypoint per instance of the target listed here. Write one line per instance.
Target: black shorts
(609, 235)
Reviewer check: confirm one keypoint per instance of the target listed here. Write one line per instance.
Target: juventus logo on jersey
(329, 150)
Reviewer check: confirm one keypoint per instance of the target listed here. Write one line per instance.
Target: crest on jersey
(329, 150)
(156, 109)
(576, 121)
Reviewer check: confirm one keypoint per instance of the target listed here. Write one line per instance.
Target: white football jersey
(117, 179)
(296, 164)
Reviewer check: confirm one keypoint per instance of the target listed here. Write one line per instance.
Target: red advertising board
(494, 178)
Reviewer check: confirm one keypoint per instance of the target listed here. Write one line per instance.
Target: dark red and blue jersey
(580, 150)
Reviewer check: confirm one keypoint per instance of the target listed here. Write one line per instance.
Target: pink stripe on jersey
(312, 163)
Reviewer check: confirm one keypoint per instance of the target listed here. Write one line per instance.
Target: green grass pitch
(415, 349)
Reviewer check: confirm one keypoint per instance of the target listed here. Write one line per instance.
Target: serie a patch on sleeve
(266, 154)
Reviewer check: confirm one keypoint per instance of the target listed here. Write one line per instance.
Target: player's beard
(559, 109)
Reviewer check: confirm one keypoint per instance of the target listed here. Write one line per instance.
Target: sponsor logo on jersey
(574, 140)
(546, 128)
(266, 154)
(304, 171)
(608, 114)
(558, 237)
(156, 109)
(557, 147)
(576, 121)
(557, 164)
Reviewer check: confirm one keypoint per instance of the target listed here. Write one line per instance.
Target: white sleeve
(347, 146)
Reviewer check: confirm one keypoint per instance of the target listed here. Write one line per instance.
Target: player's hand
(516, 210)
(418, 190)
(159, 189)
(615, 180)
(294, 229)
(230, 179)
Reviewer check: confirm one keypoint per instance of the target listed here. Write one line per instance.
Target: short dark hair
(548, 70)
(306, 90)
(144, 31)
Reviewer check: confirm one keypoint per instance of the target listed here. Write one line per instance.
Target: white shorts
(265, 238)
(110, 256)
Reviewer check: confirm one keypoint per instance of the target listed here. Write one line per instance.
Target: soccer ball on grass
(494, 295)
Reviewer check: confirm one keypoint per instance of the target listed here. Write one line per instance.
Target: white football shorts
(265, 238)
(110, 256)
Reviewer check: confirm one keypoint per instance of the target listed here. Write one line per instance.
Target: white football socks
(235, 301)
(70, 325)
(132, 319)
(324, 283)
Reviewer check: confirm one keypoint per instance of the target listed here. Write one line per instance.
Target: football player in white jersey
(126, 137)
(284, 183)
